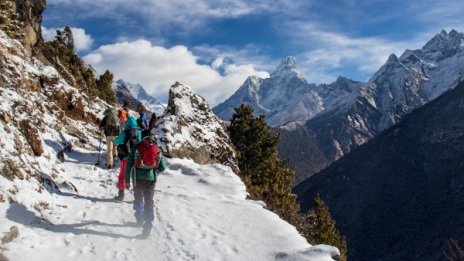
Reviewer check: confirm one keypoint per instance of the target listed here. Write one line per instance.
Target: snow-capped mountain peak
(287, 69)
(138, 93)
(443, 45)
(286, 96)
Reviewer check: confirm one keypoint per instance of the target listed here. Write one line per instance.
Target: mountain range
(136, 94)
(401, 193)
(321, 123)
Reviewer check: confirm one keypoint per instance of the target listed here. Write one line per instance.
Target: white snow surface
(200, 214)
(201, 211)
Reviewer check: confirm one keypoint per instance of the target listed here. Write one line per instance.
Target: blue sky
(213, 46)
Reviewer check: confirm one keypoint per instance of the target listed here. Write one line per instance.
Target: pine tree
(268, 179)
(65, 37)
(61, 52)
(105, 87)
(266, 176)
(320, 227)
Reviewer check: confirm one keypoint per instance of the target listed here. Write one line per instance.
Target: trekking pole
(99, 150)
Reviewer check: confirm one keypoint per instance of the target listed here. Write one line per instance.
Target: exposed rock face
(21, 20)
(401, 195)
(191, 130)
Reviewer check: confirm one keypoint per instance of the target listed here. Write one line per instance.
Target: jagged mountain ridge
(286, 96)
(396, 89)
(400, 196)
(137, 94)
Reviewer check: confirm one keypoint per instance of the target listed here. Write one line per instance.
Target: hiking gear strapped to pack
(110, 123)
(131, 139)
(147, 154)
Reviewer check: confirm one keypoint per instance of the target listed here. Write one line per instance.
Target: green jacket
(143, 174)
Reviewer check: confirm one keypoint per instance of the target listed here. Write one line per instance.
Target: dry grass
(48, 80)
(10, 170)
(41, 206)
(10, 235)
(32, 137)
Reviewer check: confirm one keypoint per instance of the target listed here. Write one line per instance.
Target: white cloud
(157, 68)
(327, 52)
(82, 40)
(162, 16)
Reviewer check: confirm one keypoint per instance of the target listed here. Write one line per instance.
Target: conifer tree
(320, 227)
(267, 178)
(105, 87)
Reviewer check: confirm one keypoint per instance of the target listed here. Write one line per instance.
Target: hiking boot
(139, 221)
(120, 195)
(145, 233)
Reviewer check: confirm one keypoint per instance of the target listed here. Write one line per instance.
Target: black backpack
(130, 141)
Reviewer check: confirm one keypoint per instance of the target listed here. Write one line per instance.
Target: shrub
(32, 137)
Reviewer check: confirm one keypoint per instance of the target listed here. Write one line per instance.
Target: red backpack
(148, 155)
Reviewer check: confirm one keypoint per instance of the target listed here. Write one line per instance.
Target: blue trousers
(144, 192)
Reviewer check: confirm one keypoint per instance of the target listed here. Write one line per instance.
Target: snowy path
(200, 214)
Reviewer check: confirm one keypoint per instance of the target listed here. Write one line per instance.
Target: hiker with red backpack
(110, 126)
(125, 141)
(143, 165)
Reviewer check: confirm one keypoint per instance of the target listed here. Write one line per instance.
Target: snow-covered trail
(200, 214)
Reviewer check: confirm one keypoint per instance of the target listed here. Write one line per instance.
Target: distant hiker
(154, 121)
(123, 113)
(126, 140)
(143, 165)
(142, 121)
(110, 126)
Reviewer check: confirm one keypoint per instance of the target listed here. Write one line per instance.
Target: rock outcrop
(191, 130)
(21, 20)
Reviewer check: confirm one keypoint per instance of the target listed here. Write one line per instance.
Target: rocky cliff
(191, 130)
(21, 20)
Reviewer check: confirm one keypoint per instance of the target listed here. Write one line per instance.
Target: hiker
(126, 140)
(123, 113)
(142, 121)
(153, 123)
(143, 165)
(109, 125)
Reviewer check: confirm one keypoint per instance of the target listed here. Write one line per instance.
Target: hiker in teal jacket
(125, 141)
(144, 188)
